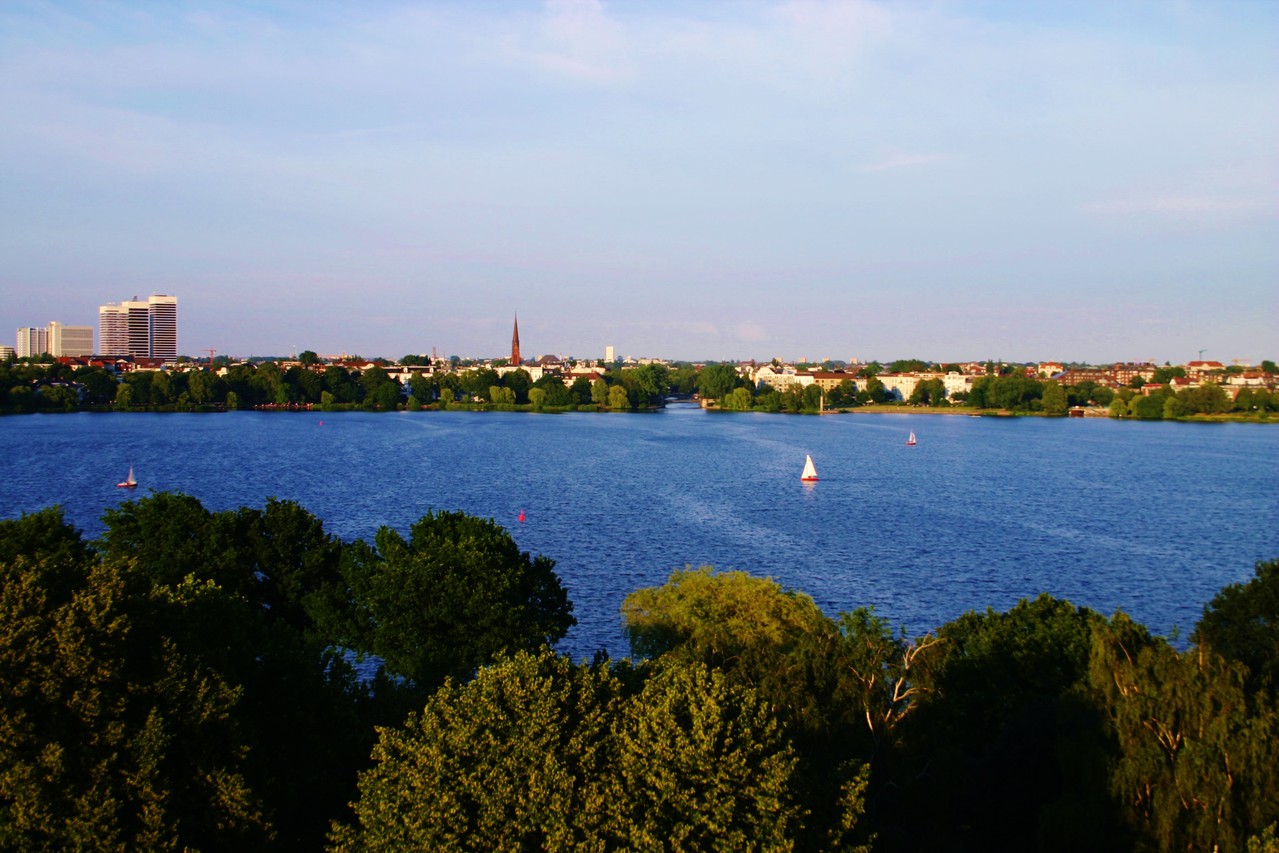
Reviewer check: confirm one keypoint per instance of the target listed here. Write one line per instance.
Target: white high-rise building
(70, 340)
(140, 329)
(162, 311)
(113, 329)
(32, 341)
(608, 355)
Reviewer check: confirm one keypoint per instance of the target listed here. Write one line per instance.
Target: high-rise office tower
(70, 340)
(140, 329)
(163, 313)
(32, 341)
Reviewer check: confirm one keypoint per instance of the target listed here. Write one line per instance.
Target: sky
(1068, 181)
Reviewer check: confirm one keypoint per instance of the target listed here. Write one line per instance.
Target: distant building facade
(32, 341)
(140, 329)
(70, 340)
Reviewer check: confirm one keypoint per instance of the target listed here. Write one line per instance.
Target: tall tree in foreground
(537, 753)
(1242, 623)
(515, 759)
(112, 736)
(449, 598)
(1196, 767)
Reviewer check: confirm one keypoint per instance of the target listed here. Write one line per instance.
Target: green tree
(162, 391)
(555, 392)
(518, 382)
(1209, 399)
(450, 598)
(779, 644)
(477, 382)
(1054, 399)
(111, 737)
(338, 382)
(739, 399)
(875, 392)
(139, 384)
(202, 385)
(1164, 375)
(1149, 407)
(500, 396)
(1195, 768)
(537, 398)
(1002, 745)
(1242, 623)
(580, 392)
(702, 765)
(929, 392)
(380, 390)
(423, 387)
(716, 380)
(99, 386)
(812, 399)
(599, 393)
(650, 383)
(618, 399)
(270, 634)
(515, 759)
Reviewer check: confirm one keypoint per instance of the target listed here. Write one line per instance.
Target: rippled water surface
(1149, 518)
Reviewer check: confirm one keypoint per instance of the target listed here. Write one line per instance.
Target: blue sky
(694, 180)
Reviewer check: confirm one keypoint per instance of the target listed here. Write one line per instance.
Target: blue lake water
(1149, 518)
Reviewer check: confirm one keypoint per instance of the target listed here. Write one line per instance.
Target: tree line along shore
(34, 386)
(188, 680)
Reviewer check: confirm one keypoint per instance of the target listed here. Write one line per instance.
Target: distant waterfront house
(956, 383)
(829, 380)
(779, 377)
(1124, 374)
(534, 371)
(1078, 376)
(901, 385)
(1199, 369)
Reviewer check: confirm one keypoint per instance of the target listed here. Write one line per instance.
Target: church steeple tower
(515, 344)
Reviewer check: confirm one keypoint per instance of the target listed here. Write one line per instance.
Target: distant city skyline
(1091, 182)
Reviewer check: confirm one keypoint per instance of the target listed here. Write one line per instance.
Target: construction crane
(1201, 354)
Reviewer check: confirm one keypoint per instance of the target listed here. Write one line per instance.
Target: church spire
(515, 343)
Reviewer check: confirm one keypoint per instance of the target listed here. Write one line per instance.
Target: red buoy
(521, 516)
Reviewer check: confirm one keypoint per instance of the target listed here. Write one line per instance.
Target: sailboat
(910, 442)
(130, 482)
(810, 470)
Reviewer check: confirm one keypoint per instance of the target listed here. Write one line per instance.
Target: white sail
(810, 470)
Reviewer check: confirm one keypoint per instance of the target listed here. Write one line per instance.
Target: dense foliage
(185, 679)
(185, 682)
(30, 386)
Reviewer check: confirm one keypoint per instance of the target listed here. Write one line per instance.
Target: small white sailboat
(130, 482)
(910, 442)
(810, 470)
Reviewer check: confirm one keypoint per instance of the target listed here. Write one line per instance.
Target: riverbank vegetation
(208, 680)
(32, 386)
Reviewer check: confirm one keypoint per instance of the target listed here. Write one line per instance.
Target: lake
(1151, 518)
